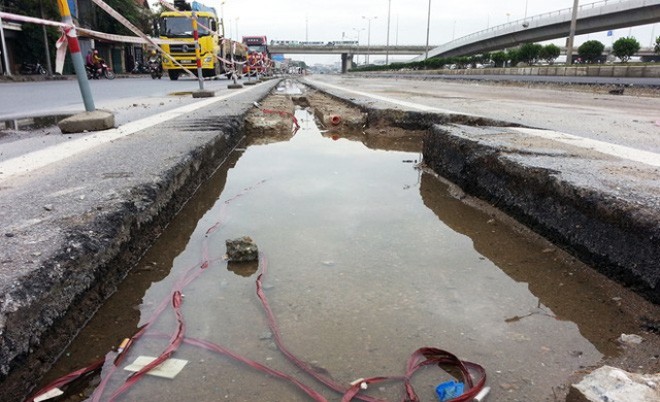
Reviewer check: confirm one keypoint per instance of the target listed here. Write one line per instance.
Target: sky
(323, 20)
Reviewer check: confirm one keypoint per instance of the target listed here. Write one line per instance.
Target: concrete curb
(97, 120)
(56, 271)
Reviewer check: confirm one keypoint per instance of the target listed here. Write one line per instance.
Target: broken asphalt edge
(613, 236)
(42, 311)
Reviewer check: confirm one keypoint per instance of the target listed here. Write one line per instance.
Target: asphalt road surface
(632, 121)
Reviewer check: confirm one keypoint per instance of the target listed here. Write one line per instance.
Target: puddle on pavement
(369, 258)
(31, 123)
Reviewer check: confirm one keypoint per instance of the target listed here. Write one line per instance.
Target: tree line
(528, 53)
(92, 17)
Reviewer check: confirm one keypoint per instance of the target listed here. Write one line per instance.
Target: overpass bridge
(593, 17)
(347, 52)
(330, 49)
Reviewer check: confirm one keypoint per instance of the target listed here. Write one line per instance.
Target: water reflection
(31, 123)
(362, 272)
(561, 284)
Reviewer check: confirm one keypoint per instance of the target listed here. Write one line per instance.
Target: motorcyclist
(96, 63)
(154, 57)
(155, 61)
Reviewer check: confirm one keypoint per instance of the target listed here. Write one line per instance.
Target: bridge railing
(515, 25)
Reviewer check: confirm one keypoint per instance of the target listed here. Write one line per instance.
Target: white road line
(43, 157)
(391, 100)
(620, 151)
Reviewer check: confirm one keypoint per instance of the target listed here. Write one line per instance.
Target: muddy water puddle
(369, 258)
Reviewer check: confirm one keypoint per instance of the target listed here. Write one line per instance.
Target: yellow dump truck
(215, 51)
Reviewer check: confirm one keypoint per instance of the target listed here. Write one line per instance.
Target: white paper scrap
(167, 369)
(48, 395)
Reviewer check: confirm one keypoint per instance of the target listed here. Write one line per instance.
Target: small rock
(328, 263)
(48, 207)
(9, 235)
(631, 339)
(242, 249)
(491, 221)
(613, 384)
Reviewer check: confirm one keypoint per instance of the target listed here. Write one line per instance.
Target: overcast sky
(330, 20)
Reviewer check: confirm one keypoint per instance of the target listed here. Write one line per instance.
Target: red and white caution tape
(136, 31)
(61, 45)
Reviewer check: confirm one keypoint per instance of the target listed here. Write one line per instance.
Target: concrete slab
(203, 94)
(97, 120)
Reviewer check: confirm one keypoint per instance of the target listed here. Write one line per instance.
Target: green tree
(513, 56)
(499, 58)
(549, 53)
(31, 35)
(591, 50)
(656, 48)
(624, 48)
(529, 53)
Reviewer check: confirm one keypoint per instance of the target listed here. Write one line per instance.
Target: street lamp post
(571, 34)
(428, 30)
(358, 40)
(387, 48)
(368, 36)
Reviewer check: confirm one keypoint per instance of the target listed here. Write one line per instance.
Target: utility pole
(571, 34)
(7, 70)
(428, 30)
(368, 37)
(387, 48)
(49, 66)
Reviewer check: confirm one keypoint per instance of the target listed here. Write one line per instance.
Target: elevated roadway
(328, 49)
(593, 17)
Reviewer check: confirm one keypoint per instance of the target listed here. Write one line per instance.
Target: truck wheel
(174, 75)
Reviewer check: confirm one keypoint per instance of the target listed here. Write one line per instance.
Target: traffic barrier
(122, 20)
(67, 32)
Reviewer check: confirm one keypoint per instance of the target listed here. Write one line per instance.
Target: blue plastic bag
(449, 390)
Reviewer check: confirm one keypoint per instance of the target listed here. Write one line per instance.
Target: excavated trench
(371, 255)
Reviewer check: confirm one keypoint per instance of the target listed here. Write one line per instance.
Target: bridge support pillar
(346, 62)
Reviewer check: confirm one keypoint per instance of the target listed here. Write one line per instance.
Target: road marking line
(43, 157)
(620, 151)
(391, 100)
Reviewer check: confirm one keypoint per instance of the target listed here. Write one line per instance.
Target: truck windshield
(258, 49)
(181, 27)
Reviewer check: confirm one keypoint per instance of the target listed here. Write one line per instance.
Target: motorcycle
(155, 68)
(31, 69)
(102, 71)
(141, 68)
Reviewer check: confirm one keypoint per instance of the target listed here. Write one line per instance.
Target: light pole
(571, 34)
(387, 49)
(526, 1)
(358, 38)
(428, 30)
(396, 41)
(368, 36)
(222, 16)
(3, 49)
